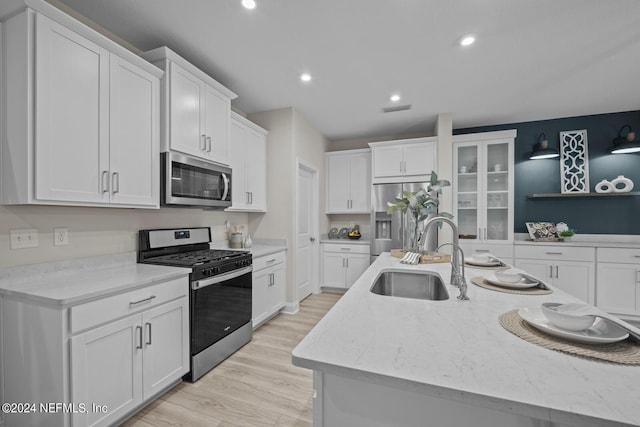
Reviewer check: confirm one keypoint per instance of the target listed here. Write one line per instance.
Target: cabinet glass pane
(467, 192)
(497, 223)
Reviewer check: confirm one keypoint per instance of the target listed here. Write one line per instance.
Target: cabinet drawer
(262, 262)
(624, 256)
(555, 252)
(94, 313)
(345, 248)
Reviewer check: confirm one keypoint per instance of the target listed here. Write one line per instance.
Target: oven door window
(219, 309)
(198, 183)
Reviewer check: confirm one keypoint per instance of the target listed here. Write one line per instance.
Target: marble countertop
(458, 350)
(361, 241)
(68, 283)
(260, 247)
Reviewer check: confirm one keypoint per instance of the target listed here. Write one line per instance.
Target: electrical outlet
(26, 238)
(60, 236)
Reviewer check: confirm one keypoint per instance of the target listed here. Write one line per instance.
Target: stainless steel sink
(410, 284)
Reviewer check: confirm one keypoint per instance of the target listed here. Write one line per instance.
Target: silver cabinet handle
(551, 271)
(556, 271)
(637, 276)
(247, 193)
(554, 253)
(208, 144)
(343, 262)
(148, 325)
(345, 249)
(479, 234)
(115, 182)
(250, 197)
(347, 262)
(142, 300)
(203, 142)
(482, 250)
(139, 332)
(271, 261)
(105, 181)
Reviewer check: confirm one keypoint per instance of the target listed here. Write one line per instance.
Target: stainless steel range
(219, 295)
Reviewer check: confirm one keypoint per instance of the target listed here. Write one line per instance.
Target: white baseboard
(290, 308)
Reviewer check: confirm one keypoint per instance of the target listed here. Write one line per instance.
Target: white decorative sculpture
(621, 180)
(604, 186)
(574, 161)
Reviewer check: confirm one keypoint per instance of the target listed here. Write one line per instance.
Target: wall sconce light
(625, 144)
(542, 150)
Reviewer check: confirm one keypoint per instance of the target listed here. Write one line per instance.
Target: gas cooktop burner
(195, 258)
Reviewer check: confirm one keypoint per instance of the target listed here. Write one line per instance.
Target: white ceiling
(532, 60)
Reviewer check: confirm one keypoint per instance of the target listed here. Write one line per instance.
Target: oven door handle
(199, 284)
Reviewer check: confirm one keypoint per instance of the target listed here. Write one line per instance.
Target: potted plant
(417, 206)
(564, 231)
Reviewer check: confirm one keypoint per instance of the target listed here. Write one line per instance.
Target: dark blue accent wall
(589, 215)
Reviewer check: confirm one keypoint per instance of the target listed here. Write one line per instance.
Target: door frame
(315, 206)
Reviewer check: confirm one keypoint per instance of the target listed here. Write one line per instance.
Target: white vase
(627, 184)
(604, 186)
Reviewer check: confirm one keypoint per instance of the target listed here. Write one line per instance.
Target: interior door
(306, 236)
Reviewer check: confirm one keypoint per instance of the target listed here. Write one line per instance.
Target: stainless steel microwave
(189, 181)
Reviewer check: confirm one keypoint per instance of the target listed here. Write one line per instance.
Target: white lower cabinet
(571, 269)
(343, 263)
(618, 276)
(269, 285)
(107, 357)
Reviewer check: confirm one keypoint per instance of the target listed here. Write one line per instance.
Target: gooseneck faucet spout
(457, 256)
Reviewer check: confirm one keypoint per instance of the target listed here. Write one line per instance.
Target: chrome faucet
(457, 275)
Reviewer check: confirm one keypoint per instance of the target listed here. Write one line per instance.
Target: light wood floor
(256, 386)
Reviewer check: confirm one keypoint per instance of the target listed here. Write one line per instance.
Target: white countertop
(361, 241)
(458, 350)
(78, 281)
(587, 240)
(260, 247)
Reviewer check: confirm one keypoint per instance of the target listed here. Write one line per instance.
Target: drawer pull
(345, 249)
(554, 253)
(636, 256)
(482, 250)
(271, 260)
(142, 300)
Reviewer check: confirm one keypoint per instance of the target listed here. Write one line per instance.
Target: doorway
(307, 268)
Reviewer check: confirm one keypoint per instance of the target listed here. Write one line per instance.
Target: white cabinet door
(387, 161)
(618, 288)
(133, 149)
(256, 168)
(419, 158)
(338, 191)
(106, 367)
(237, 160)
(539, 269)
(166, 345)
(277, 288)
(72, 115)
(356, 265)
(333, 268)
(187, 93)
(575, 278)
(360, 182)
(217, 116)
(260, 296)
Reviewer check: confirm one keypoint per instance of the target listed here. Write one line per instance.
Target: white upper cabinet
(84, 130)
(248, 161)
(348, 181)
(407, 160)
(483, 186)
(196, 109)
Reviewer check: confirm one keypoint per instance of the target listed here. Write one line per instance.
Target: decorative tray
(430, 258)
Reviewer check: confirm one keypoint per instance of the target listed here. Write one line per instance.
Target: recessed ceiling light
(394, 98)
(249, 4)
(305, 77)
(467, 40)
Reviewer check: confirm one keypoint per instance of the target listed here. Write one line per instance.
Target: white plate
(482, 262)
(524, 283)
(602, 331)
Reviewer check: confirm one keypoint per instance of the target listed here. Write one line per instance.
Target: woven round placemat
(480, 281)
(626, 352)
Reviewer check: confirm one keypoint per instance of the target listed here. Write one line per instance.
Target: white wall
(96, 231)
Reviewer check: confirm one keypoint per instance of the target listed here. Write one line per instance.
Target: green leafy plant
(564, 230)
(418, 205)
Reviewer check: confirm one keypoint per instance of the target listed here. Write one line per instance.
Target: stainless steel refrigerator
(389, 231)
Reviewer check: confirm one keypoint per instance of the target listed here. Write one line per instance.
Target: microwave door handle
(226, 186)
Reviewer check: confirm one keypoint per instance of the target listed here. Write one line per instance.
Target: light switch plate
(24, 238)
(60, 236)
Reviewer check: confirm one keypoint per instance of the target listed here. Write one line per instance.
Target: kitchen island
(381, 361)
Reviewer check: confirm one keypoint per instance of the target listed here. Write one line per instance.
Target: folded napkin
(410, 258)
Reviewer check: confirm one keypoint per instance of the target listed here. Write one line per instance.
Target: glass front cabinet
(483, 186)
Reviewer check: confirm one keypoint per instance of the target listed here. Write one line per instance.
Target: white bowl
(508, 276)
(567, 321)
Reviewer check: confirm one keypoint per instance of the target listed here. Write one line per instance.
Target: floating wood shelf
(566, 195)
